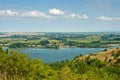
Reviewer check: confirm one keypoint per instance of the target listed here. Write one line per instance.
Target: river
(54, 55)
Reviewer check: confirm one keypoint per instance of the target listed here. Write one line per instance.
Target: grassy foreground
(100, 66)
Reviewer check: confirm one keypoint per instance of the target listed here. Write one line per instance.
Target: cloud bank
(107, 18)
(8, 13)
(73, 15)
(52, 14)
(55, 11)
(35, 14)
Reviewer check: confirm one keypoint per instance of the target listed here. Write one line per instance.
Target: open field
(56, 40)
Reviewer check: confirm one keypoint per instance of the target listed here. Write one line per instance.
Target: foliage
(44, 42)
(17, 66)
(18, 45)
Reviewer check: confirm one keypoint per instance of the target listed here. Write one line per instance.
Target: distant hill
(8, 34)
(112, 56)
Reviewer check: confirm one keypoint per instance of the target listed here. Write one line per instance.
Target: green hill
(100, 66)
(112, 56)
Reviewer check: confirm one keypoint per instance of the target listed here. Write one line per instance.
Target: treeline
(17, 66)
(41, 44)
(94, 44)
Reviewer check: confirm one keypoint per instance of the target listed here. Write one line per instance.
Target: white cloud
(55, 11)
(107, 18)
(73, 15)
(36, 14)
(104, 18)
(85, 16)
(8, 13)
(116, 18)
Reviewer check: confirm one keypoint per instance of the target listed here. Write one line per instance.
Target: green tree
(44, 42)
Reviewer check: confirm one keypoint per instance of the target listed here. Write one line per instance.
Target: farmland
(60, 39)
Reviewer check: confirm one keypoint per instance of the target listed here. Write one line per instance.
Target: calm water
(53, 55)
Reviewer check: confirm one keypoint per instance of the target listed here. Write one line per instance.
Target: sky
(59, 15)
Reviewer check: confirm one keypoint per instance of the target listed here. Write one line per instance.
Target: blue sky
(59, 15)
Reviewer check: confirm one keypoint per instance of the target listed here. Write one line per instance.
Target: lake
(54, 55)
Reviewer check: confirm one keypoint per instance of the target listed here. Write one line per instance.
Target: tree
(44, 42)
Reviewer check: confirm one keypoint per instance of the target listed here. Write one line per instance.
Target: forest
(18, 66)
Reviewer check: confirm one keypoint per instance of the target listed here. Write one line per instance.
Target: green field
(62, 39)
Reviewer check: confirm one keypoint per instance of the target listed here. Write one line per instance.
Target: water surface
(54, 55)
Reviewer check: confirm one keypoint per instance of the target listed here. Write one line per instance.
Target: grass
(104, 55)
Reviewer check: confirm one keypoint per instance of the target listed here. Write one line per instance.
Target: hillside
(100, 66)
(111, 56)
